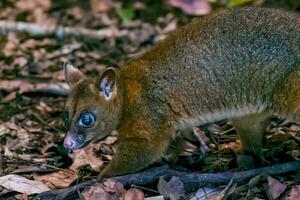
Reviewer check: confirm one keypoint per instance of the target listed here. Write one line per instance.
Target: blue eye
(87, 120)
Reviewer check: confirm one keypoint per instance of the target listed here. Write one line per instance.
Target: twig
(51, 90)
(60, 31)
(151, 175)
(1, 162)
(41, 120)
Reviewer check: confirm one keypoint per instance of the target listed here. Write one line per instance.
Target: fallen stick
(60, 31)
(151, 175)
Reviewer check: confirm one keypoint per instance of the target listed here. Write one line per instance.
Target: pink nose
(69, 143)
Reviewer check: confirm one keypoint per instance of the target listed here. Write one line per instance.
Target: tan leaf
(87, 156)
(295, 128)
(108, 190)
(160, 197)
(99, 6)
(3, 130)
(192, 7)
(10, 85)
(8, 98)
(134, 194)
(25, 86)
(23, 185)
(294, 193)
(275, 187)
(44, 108)
(171, 189)
(59, 179)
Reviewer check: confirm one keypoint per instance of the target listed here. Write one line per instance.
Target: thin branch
(60, 31)
(151, 175)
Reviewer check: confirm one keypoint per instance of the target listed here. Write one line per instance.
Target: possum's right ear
(72, 74)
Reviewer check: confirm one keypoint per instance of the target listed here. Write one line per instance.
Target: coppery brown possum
(242, 65)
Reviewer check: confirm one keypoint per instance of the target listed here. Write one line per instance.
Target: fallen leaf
(87, 156)
(108, 190)
(204, 193)
(59, 179)
(275, 187)
(25, 86)
(294, 193)
(44, 108)
(192, 7)
(76, 12)
(3, 129)
(173, 189)
(22, 197)
(295, 128)
(160, 197)
(134, 194)
(99, 6)
(23, 185)
(8, 98)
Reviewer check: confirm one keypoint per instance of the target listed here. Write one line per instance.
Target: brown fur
(241, 64)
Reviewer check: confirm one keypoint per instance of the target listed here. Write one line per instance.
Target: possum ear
(72, 74)
(107, 84)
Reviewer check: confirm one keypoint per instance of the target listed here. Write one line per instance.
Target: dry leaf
(134, 194)
(294, 193)
(205, 193)
(11, 45)
(8, 98)
(108, 190)
(173, 189)
(160, 197)
(99, 6)
(22, 197)
(295, 128)
(25, 86)
(192, 7)
(275, 188)
(44, 108)
(59, 179)
(23, 185)
(4, 130)
(76, 12)
(87, 156)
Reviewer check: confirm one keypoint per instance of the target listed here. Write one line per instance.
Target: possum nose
(68, 142)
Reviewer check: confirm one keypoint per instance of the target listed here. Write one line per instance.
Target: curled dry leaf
(192, 7)
(173, 189)
(25, 86)
(108, 190)
(23, 136)
(230, 146)
(205, 193)
(87, 156)
(23, 185)
(8, 98)
(294, 193)
(295, 128)
(99, 6)
(134, 194)
(275, 187)
(4, 130)
(59, 179)
(44, 108)
(29, 5)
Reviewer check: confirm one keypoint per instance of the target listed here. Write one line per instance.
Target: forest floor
(33, 93)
